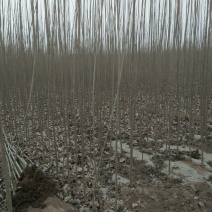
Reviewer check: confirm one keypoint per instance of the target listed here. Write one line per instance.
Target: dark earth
(33, 188)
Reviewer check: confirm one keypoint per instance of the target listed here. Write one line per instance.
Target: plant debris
(33, 188)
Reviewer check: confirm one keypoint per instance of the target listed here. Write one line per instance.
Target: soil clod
(33, 188)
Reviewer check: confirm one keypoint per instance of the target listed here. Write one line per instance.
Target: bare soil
(164, 194)
(153, 191)
(52, 204)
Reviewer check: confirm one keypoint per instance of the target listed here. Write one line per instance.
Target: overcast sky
(144, 16)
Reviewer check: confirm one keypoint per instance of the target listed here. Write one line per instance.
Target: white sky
(10, 17)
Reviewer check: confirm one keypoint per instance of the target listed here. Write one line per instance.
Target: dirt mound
(53, 204)
(33, 189)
